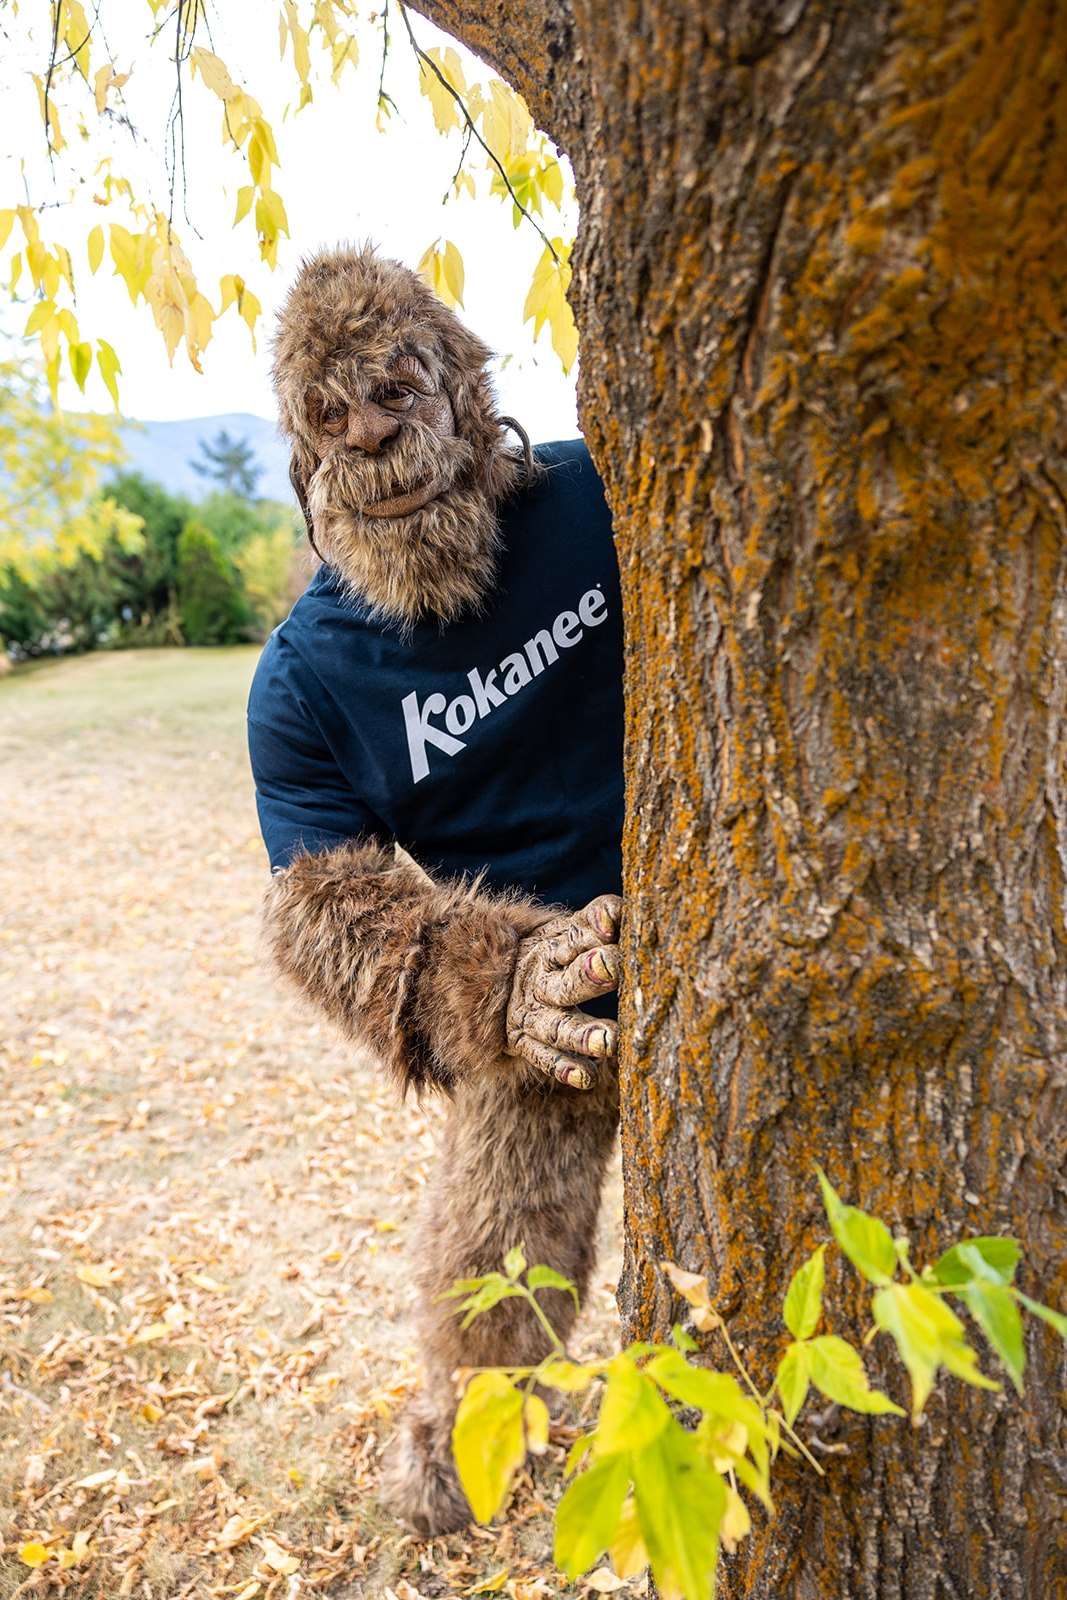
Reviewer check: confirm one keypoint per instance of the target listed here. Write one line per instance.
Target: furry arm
(417, 971)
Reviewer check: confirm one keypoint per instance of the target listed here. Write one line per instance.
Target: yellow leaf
(101, 84)
(604, 1582)
(201, 1279)
(295, 1476)
(301, 56)
(547, 302)
(627, 1548)
(344, 52)
(150, 1412)
(100, 1277)
(506, 123)
(95, 244)
(487, 1441)
(33, 1554)
(238, 1530)
(80, 1544)
(76, 37)
(536, 1421)
(67, 1558)
(443, 104)
(491, 1585)
(245, 196)
(214, 72)
(7, 220)
(276, 1558)
(736, 1522)
(96, 1480)
(37, 1295)
(108, 362)
(154, 1330)
(81, 360)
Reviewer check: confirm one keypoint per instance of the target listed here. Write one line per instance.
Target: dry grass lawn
(204, 1198)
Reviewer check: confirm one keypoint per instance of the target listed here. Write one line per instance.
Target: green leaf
(994, 1309)
(482, 1295)
(547, 1278)
(793, 1377)
(569, 1376)
(717, 1394)
(488, 1441)
(866, 1241)
(803, 1301)
(588, 1514)
(632, 1414)
(837, 1372)
(515, 1262)
(982, 1258)
(928, 1335)
(1055, 1319)
(684, 1340)
(680, 1504)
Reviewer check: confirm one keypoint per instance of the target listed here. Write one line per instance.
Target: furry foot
(419, 1484)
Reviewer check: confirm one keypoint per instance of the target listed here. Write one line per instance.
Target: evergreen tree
(231, 463)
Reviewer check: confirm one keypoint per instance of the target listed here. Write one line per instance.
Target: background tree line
(90, 564)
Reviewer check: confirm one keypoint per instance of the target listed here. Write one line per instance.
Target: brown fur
(421, 972)
(418, 972)
(347, 316)
(519, 1163)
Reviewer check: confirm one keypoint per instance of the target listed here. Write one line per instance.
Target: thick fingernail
(596, 1042)
(573, 1076)
(604, 922)
(597, 969)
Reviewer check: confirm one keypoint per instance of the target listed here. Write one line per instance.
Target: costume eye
(397, 397)
(334, 417)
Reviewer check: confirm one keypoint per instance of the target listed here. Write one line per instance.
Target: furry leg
(517, 1165)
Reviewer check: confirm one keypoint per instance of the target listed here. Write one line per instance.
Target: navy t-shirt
(492, 745)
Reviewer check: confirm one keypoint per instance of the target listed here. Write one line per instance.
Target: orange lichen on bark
(843, 553)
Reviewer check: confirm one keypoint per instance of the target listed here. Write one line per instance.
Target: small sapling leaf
(994, 1259)
(681, 1501)
(792, 1380)
(1055, 1319)
(632, 1413)
(627, 1548)
(928, 1335)
(515, 1262)
(866, 1240)
(547, 1278)
(994, 1309)
(488, 1441)
(837, 1372)
(588, 1514)
(803, 1301)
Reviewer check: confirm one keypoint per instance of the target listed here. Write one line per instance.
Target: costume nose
(369, 427)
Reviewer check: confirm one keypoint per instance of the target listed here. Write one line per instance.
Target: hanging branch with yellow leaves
(142, 242)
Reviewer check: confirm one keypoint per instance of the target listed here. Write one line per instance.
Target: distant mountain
(162, 452)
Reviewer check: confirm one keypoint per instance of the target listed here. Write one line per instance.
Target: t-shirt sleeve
(304, 801)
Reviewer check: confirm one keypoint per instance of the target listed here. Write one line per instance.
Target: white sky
(339, 180)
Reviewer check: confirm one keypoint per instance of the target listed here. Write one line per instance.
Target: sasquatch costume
(451, 683)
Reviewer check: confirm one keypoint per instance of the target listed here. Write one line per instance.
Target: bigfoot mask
(398, 456)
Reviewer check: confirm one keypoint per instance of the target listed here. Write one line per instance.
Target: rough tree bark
(821, 284)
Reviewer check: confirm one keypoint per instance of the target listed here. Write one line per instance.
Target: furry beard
(439, 560)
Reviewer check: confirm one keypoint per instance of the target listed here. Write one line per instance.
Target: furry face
(398, 456)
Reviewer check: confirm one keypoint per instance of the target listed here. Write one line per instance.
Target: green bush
(211, 603)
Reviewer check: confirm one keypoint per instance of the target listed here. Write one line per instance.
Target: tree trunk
(821, 284)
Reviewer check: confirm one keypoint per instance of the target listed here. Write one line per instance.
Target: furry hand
(570, 959)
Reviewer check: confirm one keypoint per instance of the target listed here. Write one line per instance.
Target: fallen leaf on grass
(99, 1277)
(96, 1479)
(277, 1559)
(33, 1554)
(604, 1581)
(37, 1295)
(491, 1585)
(237, 1530)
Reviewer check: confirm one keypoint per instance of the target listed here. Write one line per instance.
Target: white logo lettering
(420, 733)
(517, 670)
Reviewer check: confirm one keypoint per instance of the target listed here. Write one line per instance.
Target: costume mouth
(402, 505)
